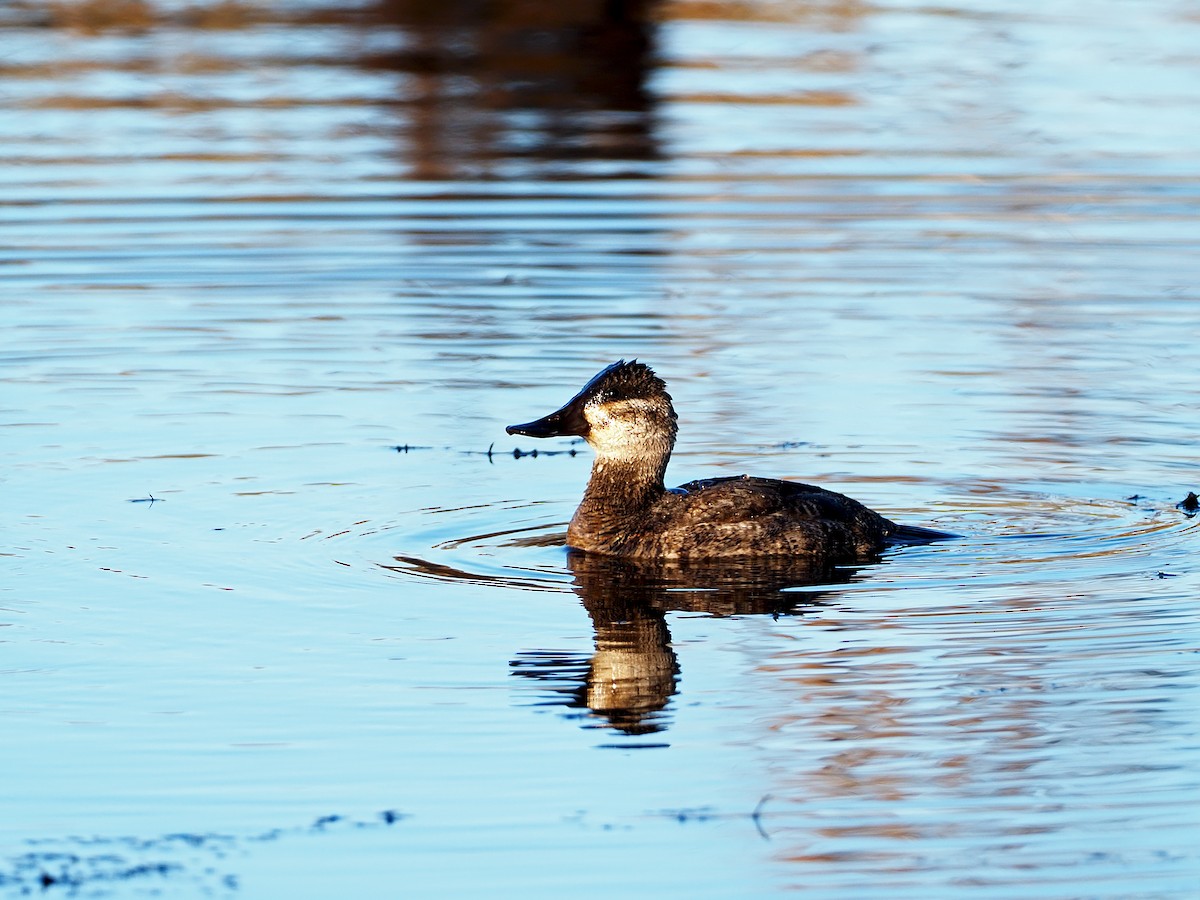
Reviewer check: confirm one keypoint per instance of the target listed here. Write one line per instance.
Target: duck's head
(623, 412)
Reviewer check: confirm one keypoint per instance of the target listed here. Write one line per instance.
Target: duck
(627, 417)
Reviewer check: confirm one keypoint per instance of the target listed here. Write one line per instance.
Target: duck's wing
(744, 496)
(701, 483)
(746, 515)
(749, 487)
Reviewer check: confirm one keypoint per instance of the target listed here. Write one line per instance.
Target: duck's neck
(621, 482)
(619, 493)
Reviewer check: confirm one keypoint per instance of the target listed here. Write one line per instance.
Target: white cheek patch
(624, 428)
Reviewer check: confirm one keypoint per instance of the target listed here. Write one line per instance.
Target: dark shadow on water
(627, 683)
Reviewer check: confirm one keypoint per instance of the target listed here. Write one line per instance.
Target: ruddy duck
(625, 414)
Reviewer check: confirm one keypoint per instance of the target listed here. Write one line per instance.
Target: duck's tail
(915, 534)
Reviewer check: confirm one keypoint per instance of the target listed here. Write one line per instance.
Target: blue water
(284, 611)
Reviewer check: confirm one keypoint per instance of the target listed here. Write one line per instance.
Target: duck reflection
(628, 681)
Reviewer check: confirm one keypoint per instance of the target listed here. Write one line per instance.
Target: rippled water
(285, 612)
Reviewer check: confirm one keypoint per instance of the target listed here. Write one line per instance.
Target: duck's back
(742, 516)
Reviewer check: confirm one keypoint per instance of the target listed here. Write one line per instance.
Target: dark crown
(625, 381)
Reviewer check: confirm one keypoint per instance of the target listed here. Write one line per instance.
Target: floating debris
(151, 499)
(535, 452)
(518, 453)
(756, 817)
(491, 453)
(708, 814)
(199, 862)
(1189, 504)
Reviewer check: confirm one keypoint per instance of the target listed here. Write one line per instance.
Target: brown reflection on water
(95, 16)
(535, 80)
(862, 747)
(578, 72)
(826, 14)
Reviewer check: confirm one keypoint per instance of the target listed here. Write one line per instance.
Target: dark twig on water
(756, 817)
(149, 498)
(491, 452)
(705, 814)
(535, 452)
(517, 453)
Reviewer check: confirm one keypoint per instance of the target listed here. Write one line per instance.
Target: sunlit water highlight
(282, 275)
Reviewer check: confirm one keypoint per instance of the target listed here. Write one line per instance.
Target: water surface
(288, 270)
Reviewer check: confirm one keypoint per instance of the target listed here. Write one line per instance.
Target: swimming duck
(625, 414)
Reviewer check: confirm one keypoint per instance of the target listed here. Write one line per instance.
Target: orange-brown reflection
(630, 678)
(857, 730)
(827, 14)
